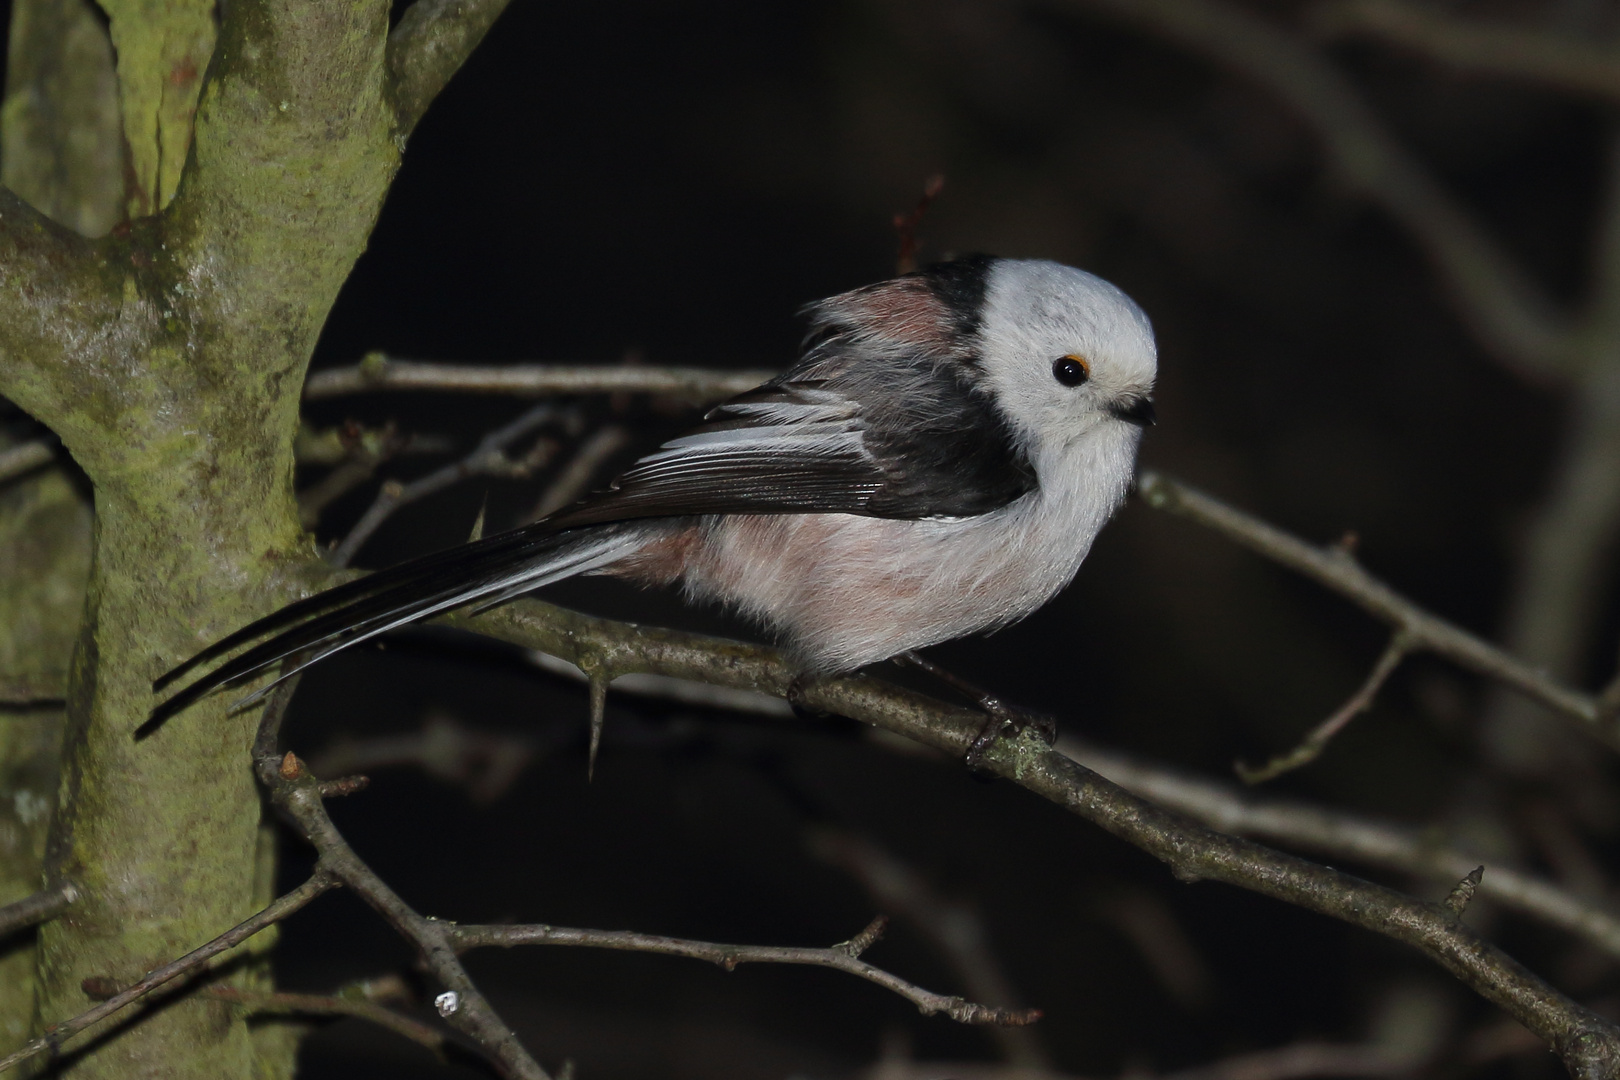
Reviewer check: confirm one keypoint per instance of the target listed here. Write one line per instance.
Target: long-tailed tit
(938, 462)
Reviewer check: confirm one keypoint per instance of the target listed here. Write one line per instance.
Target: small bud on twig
(1457, 902)
(866, 938)
(343, 785)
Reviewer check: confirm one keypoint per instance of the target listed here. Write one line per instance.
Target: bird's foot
(1001, 719)
(1007, 721)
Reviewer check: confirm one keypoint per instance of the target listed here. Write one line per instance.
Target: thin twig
(1588, 1044)
(954, 929)
(906, 225)
(484, 763)
(58, 1034)
(682, 691)
(1512, 318)
(380, 372)
(1299, 1061)
(1337, 569)
(844, 957)
(25, 457)
(1304, 1059)
(298, 794)
(334, 445)
(1562, 61)
(1343, 836)
(1311, 747)
(574, 479)
(262, 1003)
(358, 464)
(42, 906)
(488, 457)
(33, 689)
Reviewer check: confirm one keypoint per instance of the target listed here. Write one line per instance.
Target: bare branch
(682, 691)
(24, 458)
(1304, 1059)
(1589, 1045)
(58, 1034)
(1525, 53)
(298, 794)
(261, 1003)
(1313, 744)
(1347, 837)
(42, 906)
(844, 957)
(954, 929)
(1565, 568)
(488, 457)
(574, 479)
(1511, 318)
(1294, 1062)
(1335, 568)
(906, 225)
(483, 763)
(32, 690)
(428, 46)
(380, 372)
(355, 463)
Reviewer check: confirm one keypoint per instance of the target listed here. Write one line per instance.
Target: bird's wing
(919, 445)
(815, 441)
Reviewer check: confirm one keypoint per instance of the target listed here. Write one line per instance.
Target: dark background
(673, 181)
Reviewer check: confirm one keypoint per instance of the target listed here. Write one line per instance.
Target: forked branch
(196, 960)
(1337, 569)
(845, 957)
(1589, 1045)
(1512, 318)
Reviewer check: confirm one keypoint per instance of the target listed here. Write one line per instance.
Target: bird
(937, 463)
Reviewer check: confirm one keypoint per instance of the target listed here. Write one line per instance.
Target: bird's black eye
(1071, 370)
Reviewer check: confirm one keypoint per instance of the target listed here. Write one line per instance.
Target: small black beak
(1135, 410)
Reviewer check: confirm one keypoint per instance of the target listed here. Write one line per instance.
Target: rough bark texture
(163, 47)
(169, 357)
(63, 145)
(60, 147)
(44, 560)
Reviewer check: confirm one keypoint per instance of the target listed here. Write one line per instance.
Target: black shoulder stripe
(960, 286)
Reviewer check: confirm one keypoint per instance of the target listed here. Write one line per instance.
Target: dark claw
(1007, 720)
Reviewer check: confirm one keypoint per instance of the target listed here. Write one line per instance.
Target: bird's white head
(1069, 358)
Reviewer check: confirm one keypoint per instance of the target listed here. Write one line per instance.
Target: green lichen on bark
(44, 560)
(170, 362)
(60, 147)
(169, 358)
(63, 148)
(163, 48)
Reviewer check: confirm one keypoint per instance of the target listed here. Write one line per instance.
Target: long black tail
(489, 571)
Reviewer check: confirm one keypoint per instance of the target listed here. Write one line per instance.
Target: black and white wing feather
(832, 436)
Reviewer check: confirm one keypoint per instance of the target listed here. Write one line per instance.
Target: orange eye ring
(1071, 370)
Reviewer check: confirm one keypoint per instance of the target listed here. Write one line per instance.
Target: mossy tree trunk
(169, 356)
(62, 150)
